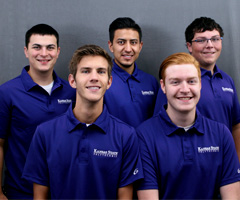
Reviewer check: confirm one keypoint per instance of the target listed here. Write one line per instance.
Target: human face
(91, 80)
(206, 54)
(182, 88)
(42, 53)
(125, 47)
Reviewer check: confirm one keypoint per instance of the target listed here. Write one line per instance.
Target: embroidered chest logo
(147, 92)
(104, 153)
(210, 149)
(227, 89)
(64, 101)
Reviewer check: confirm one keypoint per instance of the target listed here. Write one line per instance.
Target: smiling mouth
(127, 56)
(209, 53)
(93, 88)
(43, 61)
(184, 98)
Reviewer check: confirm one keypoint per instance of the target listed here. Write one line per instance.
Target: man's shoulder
(225, 76)
(119, 123)
(213, 126)
(146, 75)
(54, 122)
(11, 83)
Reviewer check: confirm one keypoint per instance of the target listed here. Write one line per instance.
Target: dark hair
(123, 23)
(41, 29)
(89, 50)
(201, 24)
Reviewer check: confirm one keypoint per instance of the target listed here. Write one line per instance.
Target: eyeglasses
(204, 41)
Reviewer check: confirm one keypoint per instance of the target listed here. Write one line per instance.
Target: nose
(94, 76)
(44, 51)
(128, 46)
(184, 87)
(209, 43)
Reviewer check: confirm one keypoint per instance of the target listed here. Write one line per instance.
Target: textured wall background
(86, 21)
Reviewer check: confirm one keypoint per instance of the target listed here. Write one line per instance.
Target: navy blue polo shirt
(131, 98)
(84, 162)
(187, 165)
(218, 101)
(23, 106)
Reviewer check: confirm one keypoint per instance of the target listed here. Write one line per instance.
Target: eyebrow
(126, 39)
(36, 44)
(101, 68)
(211, 37)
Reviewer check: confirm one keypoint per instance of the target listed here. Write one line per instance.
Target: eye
(120, 42)
(215, 39)
(102, 71)
(134, 42)
(200, 40)
(36, 47)
(174, 82)
(192, 82)
(51, 48)
(84, 71)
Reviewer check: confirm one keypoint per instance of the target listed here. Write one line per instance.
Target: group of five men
(97, 137)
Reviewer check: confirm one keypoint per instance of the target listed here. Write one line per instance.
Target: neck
(88, 112)
(182, 119)
(128, 69)
(209, 68)
(41, 78)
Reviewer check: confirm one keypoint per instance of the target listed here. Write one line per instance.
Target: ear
(58, 51)
(26, 52)
(141, 45)
(189, 46)
(109, 82)
(110, 46)
(72, 81)
(162, 86)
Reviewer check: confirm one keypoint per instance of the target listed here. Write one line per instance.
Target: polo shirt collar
(217, 72)
(123, 74)
(29, 83)
(101, 122)
(170, 128)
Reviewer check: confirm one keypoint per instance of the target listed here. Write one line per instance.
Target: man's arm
(230, 191)
(126, 192)
(40, 191)
(147, 194)
(2, 196)
(236, 137)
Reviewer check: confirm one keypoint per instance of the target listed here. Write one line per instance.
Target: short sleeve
(150, 173)
(131, 165)
(36, 169)
(231, 167)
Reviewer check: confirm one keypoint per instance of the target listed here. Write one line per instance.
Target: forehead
(43, 39)
(207, 34)
(90, 61)
(181, 71)
(127, 33)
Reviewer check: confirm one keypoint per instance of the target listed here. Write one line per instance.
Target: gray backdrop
(86, 21)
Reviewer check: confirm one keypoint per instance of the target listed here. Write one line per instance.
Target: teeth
(93, 88)
(185, 98)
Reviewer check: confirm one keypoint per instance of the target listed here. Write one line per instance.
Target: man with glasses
(219, 99)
